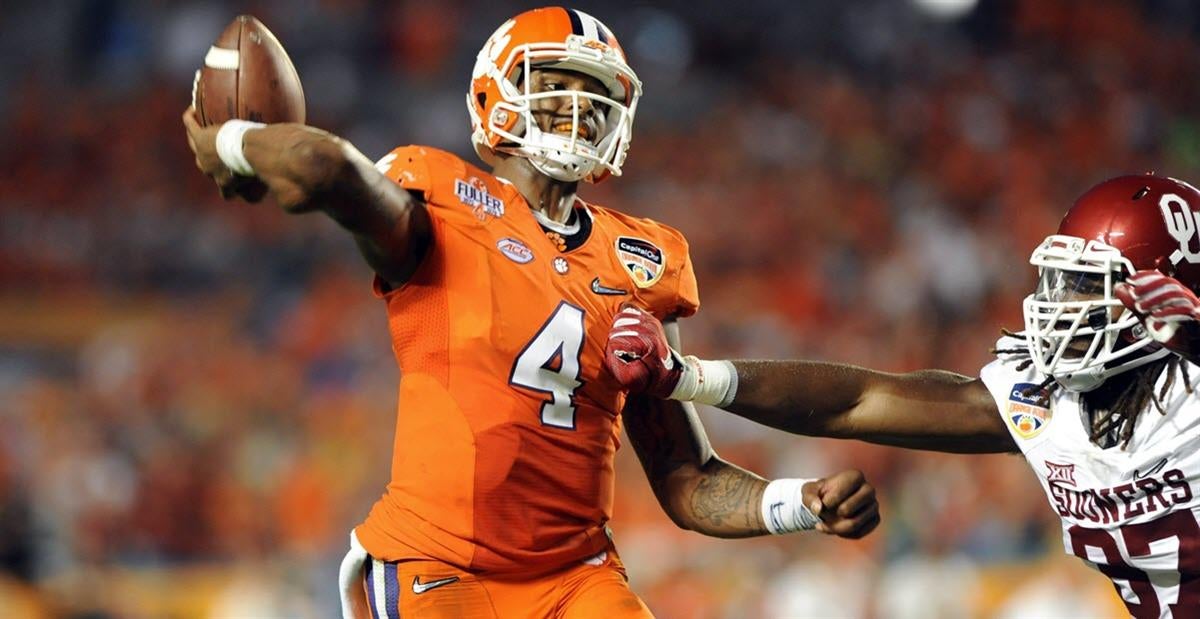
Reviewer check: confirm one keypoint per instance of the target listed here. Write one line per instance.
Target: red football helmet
(499, 98)
(1076, 329)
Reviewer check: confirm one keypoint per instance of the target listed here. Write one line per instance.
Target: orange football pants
(594, 588)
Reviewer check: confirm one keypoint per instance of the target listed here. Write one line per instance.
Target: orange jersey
(507, 423)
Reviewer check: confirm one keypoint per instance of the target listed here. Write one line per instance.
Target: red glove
(1169, 310)
(638, 355)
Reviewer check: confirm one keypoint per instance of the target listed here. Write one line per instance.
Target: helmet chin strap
(558, 171)
(1082, 381)
(555, 163)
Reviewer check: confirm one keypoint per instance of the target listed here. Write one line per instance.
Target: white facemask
(1069, 321)
(567, 157)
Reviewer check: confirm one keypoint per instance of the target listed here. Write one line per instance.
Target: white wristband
(229, 145)
(706, 382)
(783, 508)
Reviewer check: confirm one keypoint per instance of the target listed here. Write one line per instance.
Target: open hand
(1168, 309)
(638, 355)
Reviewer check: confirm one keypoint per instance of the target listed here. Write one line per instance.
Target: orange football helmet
(557, 38)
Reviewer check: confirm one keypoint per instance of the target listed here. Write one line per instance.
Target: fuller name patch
(473, 193)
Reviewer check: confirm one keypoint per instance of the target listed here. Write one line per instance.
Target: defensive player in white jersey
(1098, 392)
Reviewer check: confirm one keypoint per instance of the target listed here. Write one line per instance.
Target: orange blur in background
(197, 397)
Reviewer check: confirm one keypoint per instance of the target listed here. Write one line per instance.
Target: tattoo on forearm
(729, 497)
(716, 498)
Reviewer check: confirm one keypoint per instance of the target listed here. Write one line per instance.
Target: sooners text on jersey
(1131, 512)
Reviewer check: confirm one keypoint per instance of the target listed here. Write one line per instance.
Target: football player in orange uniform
(500, 288)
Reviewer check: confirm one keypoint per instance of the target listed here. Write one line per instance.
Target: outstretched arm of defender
(929, 409)
(307, 169)
(703, 493)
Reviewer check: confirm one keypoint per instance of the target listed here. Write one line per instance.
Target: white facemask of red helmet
(1075, 328)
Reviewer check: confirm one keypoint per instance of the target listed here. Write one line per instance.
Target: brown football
(247, 75)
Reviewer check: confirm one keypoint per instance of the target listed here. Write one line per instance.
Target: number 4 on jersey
(549, 364)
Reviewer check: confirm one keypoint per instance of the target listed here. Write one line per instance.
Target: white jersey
(1131, 512)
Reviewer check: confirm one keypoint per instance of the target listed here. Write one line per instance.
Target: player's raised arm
(929, 409)
(703, 493)
(307, 169)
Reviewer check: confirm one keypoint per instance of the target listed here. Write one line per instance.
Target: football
(247, 75)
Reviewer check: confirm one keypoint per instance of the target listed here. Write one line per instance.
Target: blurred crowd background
(197, 397)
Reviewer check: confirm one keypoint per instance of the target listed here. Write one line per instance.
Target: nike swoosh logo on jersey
(1157, 467)
(599, 289)
(420, 587)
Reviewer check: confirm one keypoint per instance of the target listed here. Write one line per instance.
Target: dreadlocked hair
(1113, 424)
(1019, 352)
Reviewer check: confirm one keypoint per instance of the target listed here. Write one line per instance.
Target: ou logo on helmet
(1182, 224)
(486, 60)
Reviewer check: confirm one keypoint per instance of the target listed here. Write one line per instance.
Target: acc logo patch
(1028, 414)
(515, 250)
(473, 193)
(643, 260)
